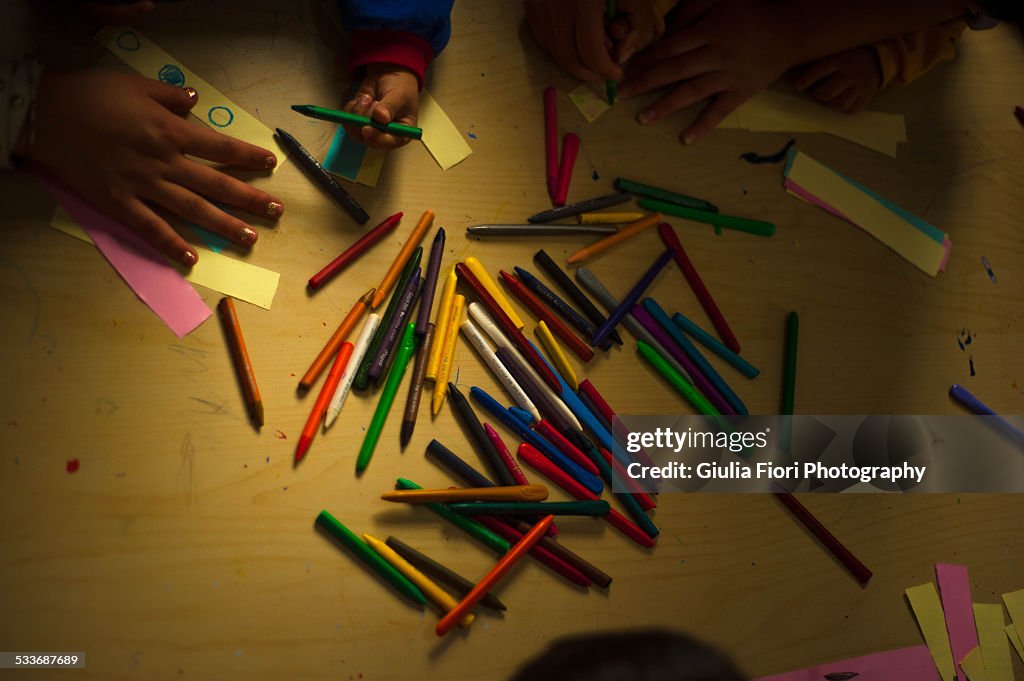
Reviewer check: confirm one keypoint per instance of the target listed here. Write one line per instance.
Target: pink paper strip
(955, 591)
(143, 268)
(904, 664)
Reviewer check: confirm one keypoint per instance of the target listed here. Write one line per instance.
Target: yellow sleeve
(913, 54)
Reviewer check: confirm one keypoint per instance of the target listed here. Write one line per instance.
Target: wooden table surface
(184, 545)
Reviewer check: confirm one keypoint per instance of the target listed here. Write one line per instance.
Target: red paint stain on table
(72, 465)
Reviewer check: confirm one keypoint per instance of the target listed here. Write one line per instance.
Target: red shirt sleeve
(391, 47)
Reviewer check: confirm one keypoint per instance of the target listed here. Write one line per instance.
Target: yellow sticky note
(589, 103)
(988, 618)
(442, 139)
(1011, 633)
(373, 163)
(867, 213)
(974, 666)
(214, 108)
(1014, 602)
(215, 271)
(924, 601)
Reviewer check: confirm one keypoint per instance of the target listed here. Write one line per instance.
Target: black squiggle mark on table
(777, 157)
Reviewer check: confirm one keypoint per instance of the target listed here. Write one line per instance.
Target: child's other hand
(573, 33)
(388, 94)
(847, 81)
(122, 142)
(724, 51)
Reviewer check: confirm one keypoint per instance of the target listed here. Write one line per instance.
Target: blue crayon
(523, 415)
(716, 346)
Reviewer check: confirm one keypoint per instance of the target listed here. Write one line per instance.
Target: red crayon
(570, 147)
(671, 241)
(526, 296)
(556, 475)
(539, 552)
(842, 554)
(551, 139)
(508, 326)
(354, 251)
(608, 414)
(322, 400)
(510, 463)
(569, 449)
(1019, 113)
(645, 500)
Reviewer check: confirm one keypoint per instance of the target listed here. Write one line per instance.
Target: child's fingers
(223, 188)
(814, 73)
(720, 107)
(673, 45)
(157, 232)
(830, 88)
(194, 208)
(590, 43)
(685, 95)
(686, 13)
(179, 100)
(219, 148)
(668, 71)
(845, 101)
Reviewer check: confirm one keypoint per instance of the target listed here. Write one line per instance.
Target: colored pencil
(335, 116)
(349, 375)
(835, 547)
(609, 217)
(467, 525)
(497, 369)
(444, 369)
(558, 357)
(442, 574)
(412, 401)
(507, 325)
(716, 346)
(393, 273)
(570, 148)
(362, 380)
(604, 244)
(562, 280)
(396, 325)
(586, 206)
(540, 230)
(352, 253)
(434, 593)
(627, 302)
(647, 191)
(544, 314)
(679, 338)
(964, 397)
(316, 172)
(551, 139)
(515, 553)
(444, 496)
(671, 241)
(360, 550)
(430, 282)
(484, 447)
(758, 227)
(491, 286)
(559, 306)
(334, 342)
(387, 397)
(326, 393)
(240, 360)
(684, 387)
(547, 402)
(444, 311)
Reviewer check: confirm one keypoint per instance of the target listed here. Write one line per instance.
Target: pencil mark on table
(212, 407)
(194, 354)
(105, 407)
(187, 468)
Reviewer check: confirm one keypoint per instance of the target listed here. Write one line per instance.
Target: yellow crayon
(491, 287)
(434, 593)
(556, 354)
(609, 218)
(444, 310)
(444, 369)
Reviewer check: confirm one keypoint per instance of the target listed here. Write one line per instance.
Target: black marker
(323, 178)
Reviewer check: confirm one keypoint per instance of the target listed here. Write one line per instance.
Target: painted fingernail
(645, 117)
(188, 258)
(190, 92)
(247, 236)
(269, 162)
(274, 209)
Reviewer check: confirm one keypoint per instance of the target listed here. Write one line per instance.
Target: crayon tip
(406, 433)
(257, 413)
(302, 447)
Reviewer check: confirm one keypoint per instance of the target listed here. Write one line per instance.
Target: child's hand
(847, 81)
(574, 33)
(121, 141)
(388, 94)
(724, 51)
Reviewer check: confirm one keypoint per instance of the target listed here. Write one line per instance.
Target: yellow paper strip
(988, 618)
(373, 163)
(589, 103)
(1014, 602)
(974, 666)
(442, 139)
(924, 601)
(867, 213)
(1011, 633)
(214, 108)
(774, 112)
(217, 272)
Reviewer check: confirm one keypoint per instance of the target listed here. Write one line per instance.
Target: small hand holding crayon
(122, 142)
(573, 33)
(388, 94)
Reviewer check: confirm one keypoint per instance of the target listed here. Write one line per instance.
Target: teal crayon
(585, 508)
(716, 346)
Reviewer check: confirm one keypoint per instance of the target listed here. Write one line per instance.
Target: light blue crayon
(716, 346)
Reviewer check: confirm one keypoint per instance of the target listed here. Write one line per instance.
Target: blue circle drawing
(172, 75)
(219, 120)
(128, 41)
